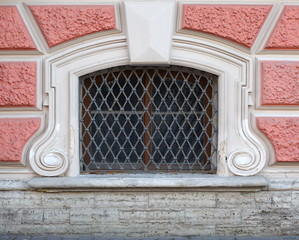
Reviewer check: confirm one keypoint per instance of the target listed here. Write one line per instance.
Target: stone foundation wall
(150, 213)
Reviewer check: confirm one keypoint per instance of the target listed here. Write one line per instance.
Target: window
(148, 119)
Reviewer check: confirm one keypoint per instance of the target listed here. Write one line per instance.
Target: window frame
(55, 152)
(88, 89)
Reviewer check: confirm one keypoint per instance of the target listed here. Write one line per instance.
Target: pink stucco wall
(239, 23)
(286, 32)
(283, 133)
(13, 32)
(62, 23)
(14, 134)
(280, 83)
(18, 84)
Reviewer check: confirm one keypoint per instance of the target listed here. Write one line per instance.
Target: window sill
(149, 181)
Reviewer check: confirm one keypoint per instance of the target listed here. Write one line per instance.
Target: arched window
(148, 119)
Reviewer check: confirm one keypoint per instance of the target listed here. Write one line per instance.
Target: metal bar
(156, 139)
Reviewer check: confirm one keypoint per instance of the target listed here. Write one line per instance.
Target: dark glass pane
(146, 118)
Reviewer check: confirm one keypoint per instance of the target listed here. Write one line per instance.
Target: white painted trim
(235, 83)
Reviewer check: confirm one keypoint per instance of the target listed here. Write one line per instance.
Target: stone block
(30, 229)
(279, 199)
(32, 199)
(11, 199)
(129, 229)
(295, 201)
(181, 200)
(290, 229)
(235, 200)
(182, 229)
(68, 200)
(65, 229)
(269, 216)
(213, 216)
(56, 216)
(247, 230)
(32, 216)
(10, 216)
(121, 200)
(93, 215)
(152, 216)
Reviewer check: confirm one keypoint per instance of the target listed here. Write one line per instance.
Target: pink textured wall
(280, 83)
(286, 32)
(14, 134)
(17, 84)
(62, 23)
(283, 133)
(13, 32)
(238, 23)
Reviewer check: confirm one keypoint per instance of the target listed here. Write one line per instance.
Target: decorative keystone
(14, 134)
(280, 83)
(63, 23)
(13, 32)
(286, 32)
(17, 84)
(283, 133)
(150, 28)
(237, 23)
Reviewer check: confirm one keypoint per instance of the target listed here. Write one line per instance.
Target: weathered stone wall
(150, 213)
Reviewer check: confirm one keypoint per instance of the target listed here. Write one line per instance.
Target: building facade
(149, 118)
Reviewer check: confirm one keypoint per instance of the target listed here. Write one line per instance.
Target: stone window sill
(148, 181)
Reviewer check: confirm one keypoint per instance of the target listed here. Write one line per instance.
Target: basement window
(148, 119)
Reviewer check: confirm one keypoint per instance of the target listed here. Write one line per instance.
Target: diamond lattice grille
(148, 119)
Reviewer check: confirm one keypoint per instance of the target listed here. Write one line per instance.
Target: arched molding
(240, 152)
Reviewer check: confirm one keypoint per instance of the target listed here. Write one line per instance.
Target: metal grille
(148, 119)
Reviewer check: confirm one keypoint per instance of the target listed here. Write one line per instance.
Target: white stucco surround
(240, 152)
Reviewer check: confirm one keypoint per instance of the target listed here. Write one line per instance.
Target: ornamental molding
(242, 150)
(149, 31)
(56, 151)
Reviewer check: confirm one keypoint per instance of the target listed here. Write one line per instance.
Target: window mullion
(147, 119)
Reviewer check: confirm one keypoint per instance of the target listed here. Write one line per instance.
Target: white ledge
(10, 185)
(124, 181)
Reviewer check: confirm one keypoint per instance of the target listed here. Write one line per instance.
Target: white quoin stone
(150, 27)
